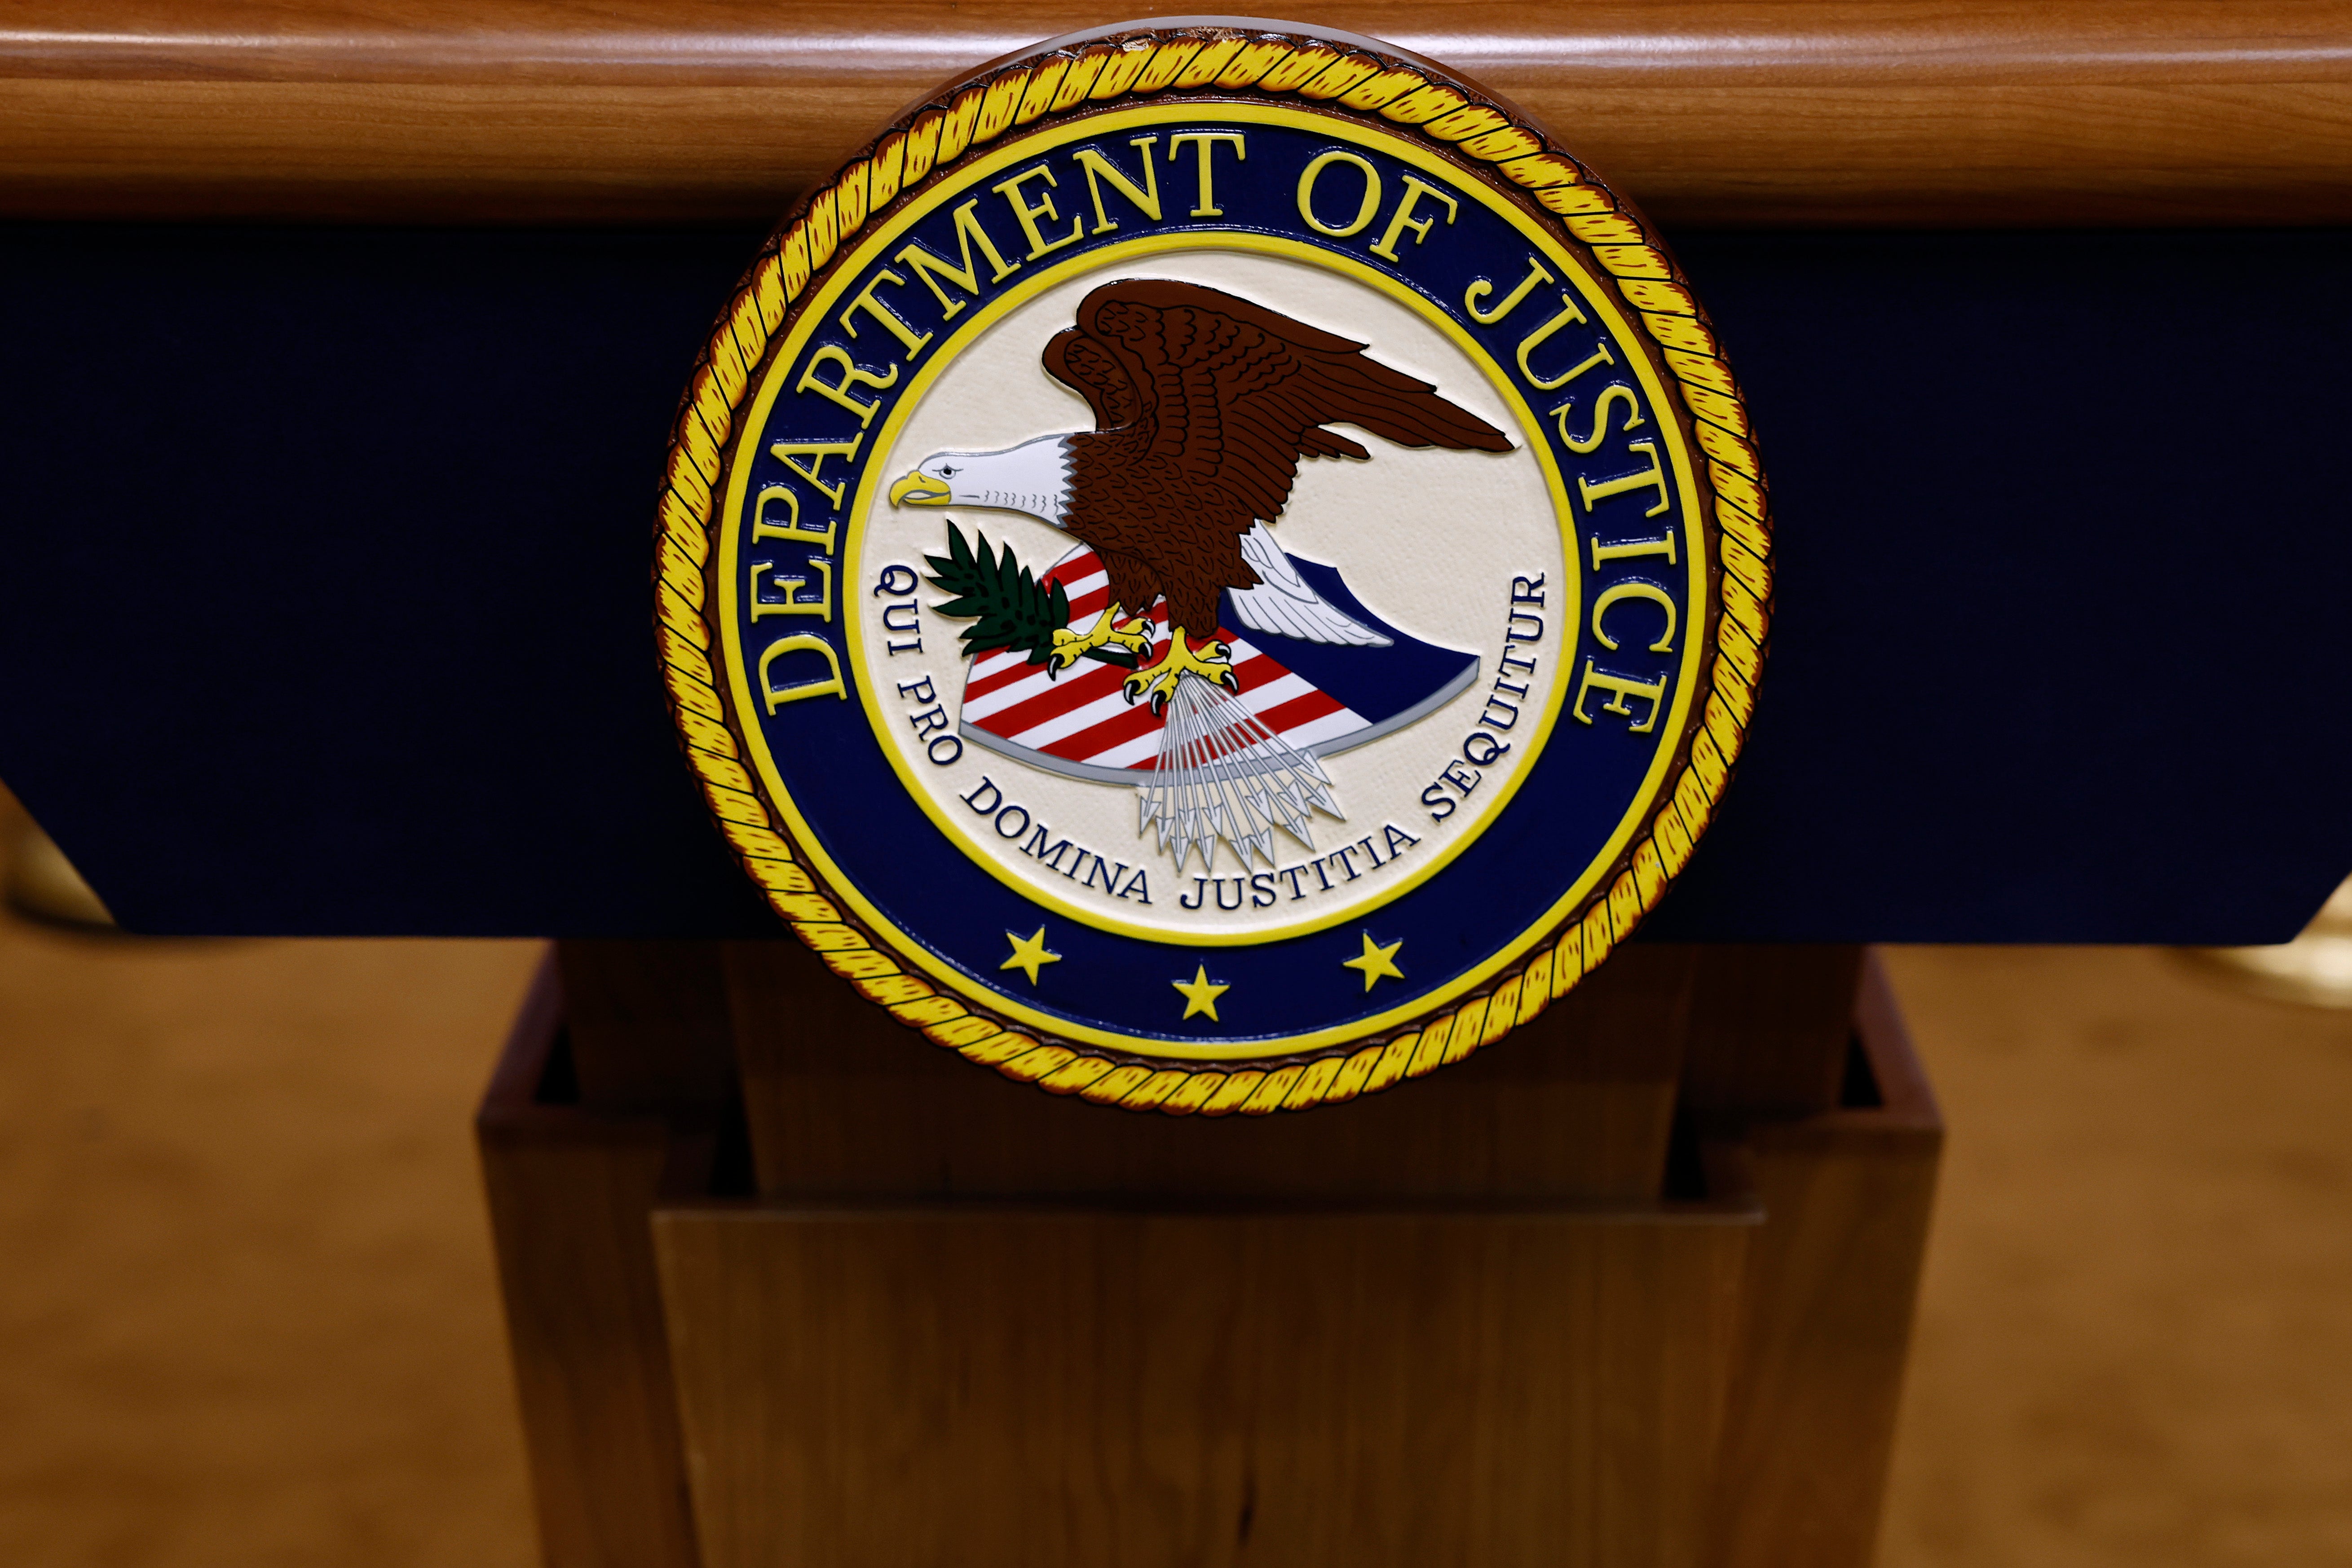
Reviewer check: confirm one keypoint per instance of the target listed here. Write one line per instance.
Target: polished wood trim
(825, 41)
(2165, 111)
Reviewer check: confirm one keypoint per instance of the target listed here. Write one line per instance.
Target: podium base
(1704, 1375)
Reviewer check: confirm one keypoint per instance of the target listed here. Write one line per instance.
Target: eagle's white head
(1033, 477)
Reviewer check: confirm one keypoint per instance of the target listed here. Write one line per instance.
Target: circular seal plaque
(1213, 569)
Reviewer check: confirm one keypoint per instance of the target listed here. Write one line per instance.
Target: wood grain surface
(844, 1102)
(1770, 1031)
(647, 1024)
(1768, 111)
(569, 1188)
(1069, 1387)
(1122, 1382)
(1828, 1300)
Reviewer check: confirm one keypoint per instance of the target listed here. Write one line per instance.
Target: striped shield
(1319, 698)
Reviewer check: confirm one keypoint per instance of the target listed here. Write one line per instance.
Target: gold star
(1029, 954)
(1376, 961)
(1201, 993)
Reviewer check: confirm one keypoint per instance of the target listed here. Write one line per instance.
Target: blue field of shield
(1389, 687)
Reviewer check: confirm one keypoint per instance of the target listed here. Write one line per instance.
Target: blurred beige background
(249, 1315)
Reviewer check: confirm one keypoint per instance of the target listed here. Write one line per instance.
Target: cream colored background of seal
(1427, 540)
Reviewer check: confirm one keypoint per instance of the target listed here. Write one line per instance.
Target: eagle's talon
(1070, 646)
(1158, 680)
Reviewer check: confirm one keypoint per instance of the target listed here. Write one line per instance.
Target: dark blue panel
(2064, 614)
(326, 605)
(329, 555)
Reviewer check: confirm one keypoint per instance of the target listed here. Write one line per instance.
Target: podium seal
(1213, 568)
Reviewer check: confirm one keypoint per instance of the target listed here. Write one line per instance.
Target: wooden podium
(331, 535)
(801, 1288)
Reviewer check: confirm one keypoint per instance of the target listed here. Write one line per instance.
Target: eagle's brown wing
(1088, 369)
(1235, 394)
(1203, 405)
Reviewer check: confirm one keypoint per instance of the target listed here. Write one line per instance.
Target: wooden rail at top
(1709, 111)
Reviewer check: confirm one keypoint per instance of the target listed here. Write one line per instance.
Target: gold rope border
(1155, 61)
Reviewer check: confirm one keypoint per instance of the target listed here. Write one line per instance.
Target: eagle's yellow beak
(919, 489)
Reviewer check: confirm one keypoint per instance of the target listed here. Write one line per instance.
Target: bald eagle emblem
(1204, 405)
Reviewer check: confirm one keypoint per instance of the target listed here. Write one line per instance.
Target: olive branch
(1008, 607)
